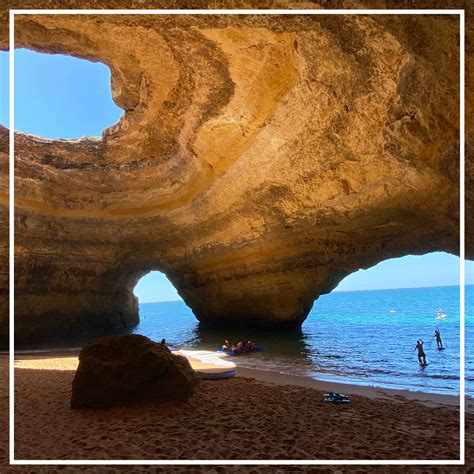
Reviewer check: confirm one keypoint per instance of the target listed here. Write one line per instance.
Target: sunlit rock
(259, 160)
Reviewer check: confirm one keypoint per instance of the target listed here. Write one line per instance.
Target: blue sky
(62, 97)
(412, 271)
(58, 96)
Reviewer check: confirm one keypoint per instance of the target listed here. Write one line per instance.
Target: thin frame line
(462, 252)
(11, 182)
(240, 12)
(12, 14)
(219, 462)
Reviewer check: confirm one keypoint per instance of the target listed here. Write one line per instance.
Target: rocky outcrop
(259, 160)
(130, 370)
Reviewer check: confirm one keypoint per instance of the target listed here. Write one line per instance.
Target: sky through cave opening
(436, 269)
(155, 287)
(412, 271)
(59, 96)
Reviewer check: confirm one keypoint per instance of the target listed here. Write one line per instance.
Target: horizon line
(340, 291)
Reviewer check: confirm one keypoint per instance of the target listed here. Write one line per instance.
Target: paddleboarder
(421, 352)
(437, 335)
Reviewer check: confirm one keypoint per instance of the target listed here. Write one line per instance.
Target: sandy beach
(241, 418)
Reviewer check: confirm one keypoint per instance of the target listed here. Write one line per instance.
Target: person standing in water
(164, 345)
(439, 342)
(421, 352)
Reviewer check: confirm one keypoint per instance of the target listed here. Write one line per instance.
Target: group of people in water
(238, 348)
(421, 352)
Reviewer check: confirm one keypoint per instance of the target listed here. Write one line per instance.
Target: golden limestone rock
(259, 160)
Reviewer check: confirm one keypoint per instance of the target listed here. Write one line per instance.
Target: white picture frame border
(16, 12)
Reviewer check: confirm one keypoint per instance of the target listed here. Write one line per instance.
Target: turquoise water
(349, 337)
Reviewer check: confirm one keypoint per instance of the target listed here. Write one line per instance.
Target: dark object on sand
(129, 370)
(336, 398)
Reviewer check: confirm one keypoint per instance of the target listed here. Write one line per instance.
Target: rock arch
(258, 162)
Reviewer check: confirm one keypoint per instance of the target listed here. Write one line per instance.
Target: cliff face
(259, 160)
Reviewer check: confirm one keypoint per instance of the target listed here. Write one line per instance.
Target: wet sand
(240, 418)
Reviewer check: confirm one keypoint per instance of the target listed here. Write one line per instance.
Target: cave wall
(259, 160)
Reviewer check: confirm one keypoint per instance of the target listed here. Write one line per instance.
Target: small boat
(209, 365)
(230, 352)
(215, 374)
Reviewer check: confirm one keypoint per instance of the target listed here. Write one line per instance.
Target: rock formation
(129, 370)
(259, 160)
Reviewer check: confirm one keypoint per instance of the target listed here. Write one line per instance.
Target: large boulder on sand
(127, 370)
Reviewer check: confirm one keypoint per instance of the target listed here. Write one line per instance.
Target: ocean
(360, 337)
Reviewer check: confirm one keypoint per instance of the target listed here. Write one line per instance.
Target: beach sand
(240, 418)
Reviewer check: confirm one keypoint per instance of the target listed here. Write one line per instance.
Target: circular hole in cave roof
(58, 96)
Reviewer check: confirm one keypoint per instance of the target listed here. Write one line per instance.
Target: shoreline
(277, 378)
(372, 392)
(255, 415)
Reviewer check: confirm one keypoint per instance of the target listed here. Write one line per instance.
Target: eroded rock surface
(130, 370)
(259, 160)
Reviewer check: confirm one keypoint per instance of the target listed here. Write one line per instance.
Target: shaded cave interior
(268, 267)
